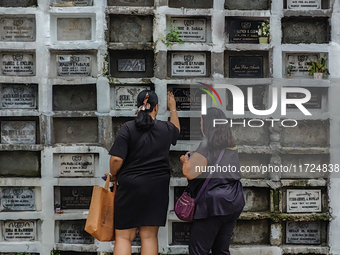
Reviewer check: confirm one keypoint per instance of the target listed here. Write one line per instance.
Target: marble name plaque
(76, 165)
(188, 64)
(181, 233)
(19, 231)
(74, 29)
(246, 67)
(17, 199)
(190, 30)
(303, 232)
(187, 98)
(243, 31)
(131, 65)
(18, 64)
(18, 96)
(126, 96)
(75, 197)
(73, 232)
(74, 65)
(18, 132)
(17, 29)
(314, 103)
(76, 2)
(304, 4)
(303, 200)
(300, 63)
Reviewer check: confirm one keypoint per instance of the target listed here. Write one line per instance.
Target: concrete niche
(257, 199)
(247, 5)
(18, 96)
(18, 3)
(130, 2)
(117, 123)
(305, 134)
(303, 30)
(131, 63)
(305, 166)
(251, 163)
(246, 135)
(251, 232)
(191, 3)
(74, 97)
(19, 164)
(75, 130)
(128, 28)
(64, 3)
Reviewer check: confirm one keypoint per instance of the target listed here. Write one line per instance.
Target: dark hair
(220, 136)
(143, 120)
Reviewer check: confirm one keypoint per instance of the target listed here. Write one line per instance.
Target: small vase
(263, 40)
(318, 75)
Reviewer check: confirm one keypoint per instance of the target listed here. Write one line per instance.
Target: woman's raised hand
(171, 103)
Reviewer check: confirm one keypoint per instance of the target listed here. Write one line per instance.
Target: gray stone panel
(251, 232)
(118, 122)
(306, 133)
(308, 163)
(257, 199)
(128, 28)
(247, 5)
(302, 30)
(18, 64)
(251, 163)
(18, 3)
(19, 231)
(74, 98)
(250, 135)
(75, 130)
(130, 2)
(19, 164)
(17, 199)
(191, 3)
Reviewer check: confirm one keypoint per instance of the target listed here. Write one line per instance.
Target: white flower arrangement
(264, 29)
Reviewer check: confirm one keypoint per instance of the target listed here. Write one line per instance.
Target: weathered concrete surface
(301, 30)
(306, 133)
(247, 5)
(251, 232)
(18, 3)
(75, 130)
(126, 28)
(130, 2)
(191, 3)
(74, 98)
(19, 163)
(250, 135)
(257, 199)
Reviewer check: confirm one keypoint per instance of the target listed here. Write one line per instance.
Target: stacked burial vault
(69, 79)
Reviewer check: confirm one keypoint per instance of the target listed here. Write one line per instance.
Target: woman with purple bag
(214, 179)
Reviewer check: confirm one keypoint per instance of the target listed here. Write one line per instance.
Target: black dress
(142, 196)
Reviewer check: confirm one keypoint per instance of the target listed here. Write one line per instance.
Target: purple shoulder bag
(185, 205)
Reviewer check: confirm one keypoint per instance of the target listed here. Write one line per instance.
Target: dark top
(224, 193)
(143, 180)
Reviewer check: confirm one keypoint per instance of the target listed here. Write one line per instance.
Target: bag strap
(209, 177)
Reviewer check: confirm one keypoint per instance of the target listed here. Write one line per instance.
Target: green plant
(318, 67)
(55, 252)
(172, 36)
(290, 68)
(263, 29)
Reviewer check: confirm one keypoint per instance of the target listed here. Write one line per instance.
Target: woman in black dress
(140, 163)
(222, 201)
